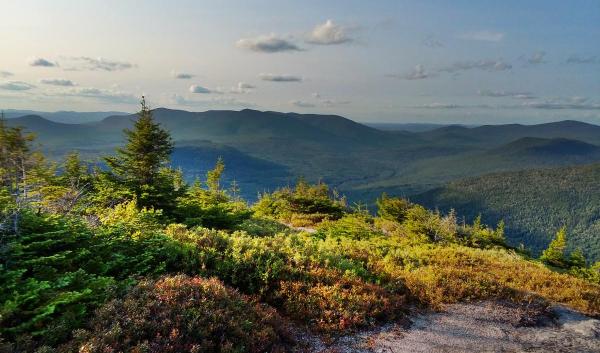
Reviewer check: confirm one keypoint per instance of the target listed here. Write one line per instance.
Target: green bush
(303, 205)
(57, 271)
(211, 209)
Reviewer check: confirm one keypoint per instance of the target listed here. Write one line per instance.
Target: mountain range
(265, 150)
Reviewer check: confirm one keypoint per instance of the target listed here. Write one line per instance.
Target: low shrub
(183, 314)
(304, 205)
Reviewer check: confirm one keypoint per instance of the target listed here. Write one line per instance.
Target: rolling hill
(533, 203)
(67, 117)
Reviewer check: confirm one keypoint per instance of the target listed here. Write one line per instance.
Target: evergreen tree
(213, 177)
(577, 259)
(392, 208)
(75, 171)
(141, 164)
(555, 253)
(23, 171)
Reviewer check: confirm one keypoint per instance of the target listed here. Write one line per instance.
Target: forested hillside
(359, 160)
(133, 258)
(533, 203)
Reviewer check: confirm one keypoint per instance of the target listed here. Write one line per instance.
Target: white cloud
(328, 33)
(333, 102)
(439, 106)
(242, 87)
(219, 102)
(267, 44)
(16, 86)
(81, 63)
(280, 78)
(101, 94)
(199, 89)
(511, 94)
(5, 74)
(317, 100)
(571, 103)
(57, 82)
(577, 59)
(417, 73)
(485, 36)
(486, 65)
(302, 104)
(537, 58)
(574, 103)
(35, 61)
(182, 75)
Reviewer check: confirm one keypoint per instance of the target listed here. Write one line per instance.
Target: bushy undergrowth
(58, 271)
(350, 273)
(182, 314)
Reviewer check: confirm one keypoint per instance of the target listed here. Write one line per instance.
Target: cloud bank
(267, 44)
(57, 82)
(106, 95)
(16, 86)
(486, 65)
(82, 63)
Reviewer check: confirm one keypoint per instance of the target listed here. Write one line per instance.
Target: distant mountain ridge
(347, 154)
(68, 117)
(555, 147)
(499, 134)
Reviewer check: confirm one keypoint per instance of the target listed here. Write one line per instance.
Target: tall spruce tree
(23, 171)
(141, 165)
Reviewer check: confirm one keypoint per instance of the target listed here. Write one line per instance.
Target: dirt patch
(488, 326)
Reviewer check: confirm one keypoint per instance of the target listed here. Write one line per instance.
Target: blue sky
(389, 61)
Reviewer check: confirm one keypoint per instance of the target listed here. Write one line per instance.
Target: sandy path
(479, 327)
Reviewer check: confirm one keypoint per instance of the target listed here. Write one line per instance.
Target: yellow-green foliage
(132, 220)
(304, 205)
(446, 274)
(211, 207)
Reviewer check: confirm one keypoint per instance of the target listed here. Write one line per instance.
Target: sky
(459, 61)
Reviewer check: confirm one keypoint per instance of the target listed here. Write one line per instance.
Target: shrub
(211, 209)
(555, 253)
(353, 226)
(303, 205)
(392, 208)
(57, 272)
(127, 218)
(332, 303)
(183, 314)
